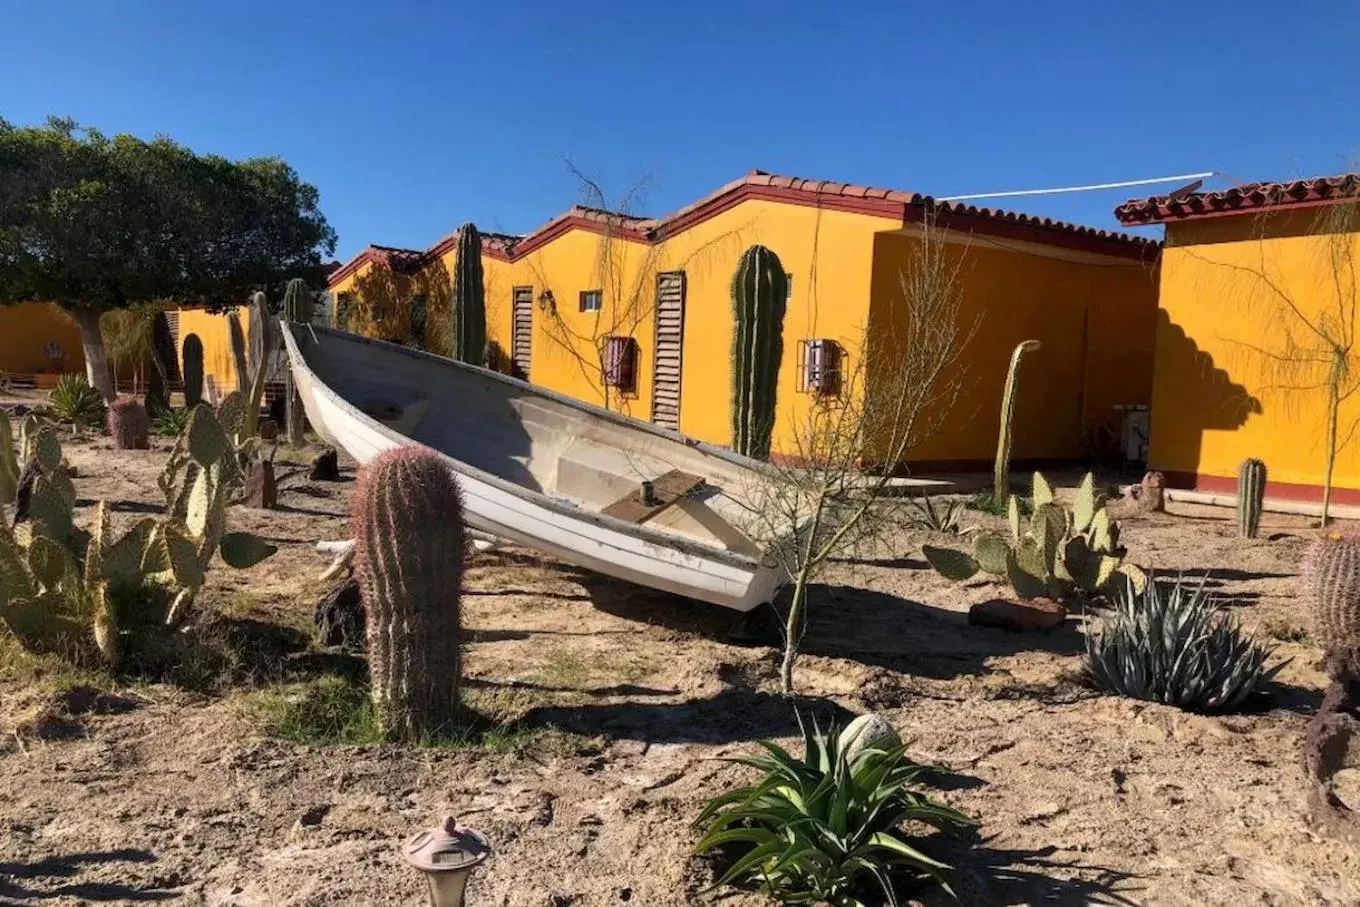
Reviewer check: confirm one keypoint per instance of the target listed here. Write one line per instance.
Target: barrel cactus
(129, 424)
(469, 301)
(1331, 580)
(1001, 469)
(1251, 494)
(408, 529)
(759, 299)
(193, 371)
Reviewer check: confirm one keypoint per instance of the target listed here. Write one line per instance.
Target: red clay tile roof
(1244, 199)
(902, 207)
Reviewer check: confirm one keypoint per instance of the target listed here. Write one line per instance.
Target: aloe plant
(1056, 554)
(946, 517)
(1168, 642)
(816, 829)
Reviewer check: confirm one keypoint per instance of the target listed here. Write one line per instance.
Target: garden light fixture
(447, 855)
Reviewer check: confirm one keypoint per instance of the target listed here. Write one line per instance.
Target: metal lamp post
(447, 855)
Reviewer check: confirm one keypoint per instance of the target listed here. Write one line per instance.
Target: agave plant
(943, 517)
(75, 402)
(816, 829)
(1167, 642)
(170, 421)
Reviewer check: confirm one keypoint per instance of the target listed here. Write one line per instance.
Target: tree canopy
(97, 224)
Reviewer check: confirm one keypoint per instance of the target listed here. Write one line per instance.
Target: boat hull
(608, 546)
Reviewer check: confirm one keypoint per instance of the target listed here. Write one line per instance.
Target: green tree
(98, 224)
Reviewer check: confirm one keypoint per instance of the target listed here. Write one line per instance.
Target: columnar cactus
(262, 340)
(239, 358)
(193, 371)
(759, 299)
(1331, 581)
(9, 463)
(408, 530)
(129, 424)
(1251, 494)
(1001, 470)
(297, 309)
(469, 302)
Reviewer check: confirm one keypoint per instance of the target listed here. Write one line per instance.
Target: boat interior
(541, 443)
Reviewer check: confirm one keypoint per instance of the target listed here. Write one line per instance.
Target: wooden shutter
(522, 331)
(670, 338)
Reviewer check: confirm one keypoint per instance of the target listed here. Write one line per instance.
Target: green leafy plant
(945, 517)
(74, 402)
(816, 829)
(1057, 553)
(170, 421)
(1167, 642)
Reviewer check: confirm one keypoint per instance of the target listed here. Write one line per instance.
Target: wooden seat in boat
(637, 506)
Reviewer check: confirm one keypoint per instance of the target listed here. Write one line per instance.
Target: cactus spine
(1331, 581)
(1251, 493)
(408, 529)
(129, 424)
(297, 309)
(469, 302)
(759, 299)
(193, 371)
(1001, 470)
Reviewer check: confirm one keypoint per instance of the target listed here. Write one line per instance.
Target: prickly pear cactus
(1251, 495)
(759, 299)
(1331, 582)
(408, 530)
(193, 371)
(9, 462)
(469, 300)
(129, 424)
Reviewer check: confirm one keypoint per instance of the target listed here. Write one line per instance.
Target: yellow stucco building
(591, 285)
(1258, 291)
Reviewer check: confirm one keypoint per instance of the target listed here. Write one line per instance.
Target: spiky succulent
(816, 829)
(75, 402)
(1169, 643)
(938, 516)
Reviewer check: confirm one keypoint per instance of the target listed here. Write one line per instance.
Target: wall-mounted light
(546, 302)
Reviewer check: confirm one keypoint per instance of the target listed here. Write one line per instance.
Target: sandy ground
(161, 793)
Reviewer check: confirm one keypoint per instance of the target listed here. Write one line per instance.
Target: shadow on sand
(15, 879)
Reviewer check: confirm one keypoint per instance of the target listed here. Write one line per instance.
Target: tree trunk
(293, 414)
(791, 631)
(1333, 404)
(96, 362)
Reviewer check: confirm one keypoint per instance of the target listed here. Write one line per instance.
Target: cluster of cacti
(176, 480)
(409, 542)
(1251, 495)
(252, 371)
(759, 299)
(129, 424)
(193, 371)
(1060, 553)
(1001, 469)
(60, 585)
(469, 302)
(12, 463)
(297, 309)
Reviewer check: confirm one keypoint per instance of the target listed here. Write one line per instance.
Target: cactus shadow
(1027, 876)
(17, 879)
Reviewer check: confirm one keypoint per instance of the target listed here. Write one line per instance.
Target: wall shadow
(1191, 395)
(384, 306)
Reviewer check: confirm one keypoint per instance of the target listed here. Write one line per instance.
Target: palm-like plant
(816, 828)
(75, 402)
(170, 421)
(1167, 643)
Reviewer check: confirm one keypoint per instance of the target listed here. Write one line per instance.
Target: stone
(1152, 492)
(325, 466)
(269, 430)
(1022, 616)
(339, 617)
(261, 488)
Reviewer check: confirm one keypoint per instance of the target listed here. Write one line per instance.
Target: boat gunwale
(539, 498)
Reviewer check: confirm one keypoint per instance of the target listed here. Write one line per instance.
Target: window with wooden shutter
(819, 367)
(620, 363)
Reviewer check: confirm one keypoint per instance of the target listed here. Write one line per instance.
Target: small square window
(592, 300)
(788, 286)
(620, 363)
(819, 367)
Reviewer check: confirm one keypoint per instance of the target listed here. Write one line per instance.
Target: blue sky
(412, 117)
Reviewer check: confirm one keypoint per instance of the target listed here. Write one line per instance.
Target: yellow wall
(1093, 315)
(25, 331)
(212, 330)
(1225, 326)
